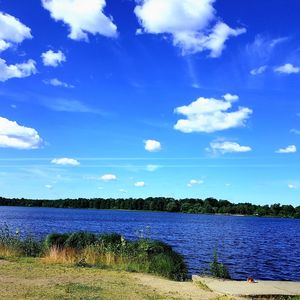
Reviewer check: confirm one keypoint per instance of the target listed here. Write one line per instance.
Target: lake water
(264, 248)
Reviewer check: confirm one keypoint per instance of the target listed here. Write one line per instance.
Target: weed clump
(217, 269)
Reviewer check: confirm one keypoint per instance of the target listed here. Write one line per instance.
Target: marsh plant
(12, 244)
(217, 269)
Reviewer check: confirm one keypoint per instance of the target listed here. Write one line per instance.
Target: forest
(194, 206)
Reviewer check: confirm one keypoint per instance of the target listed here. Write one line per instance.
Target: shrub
(56, 239)
(80, 240)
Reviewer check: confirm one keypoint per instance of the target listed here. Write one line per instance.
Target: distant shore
(161, 204)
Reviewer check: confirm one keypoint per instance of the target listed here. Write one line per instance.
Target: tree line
(188, 205)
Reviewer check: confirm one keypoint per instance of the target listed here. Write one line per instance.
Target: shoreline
(154, 211)
(30, 278)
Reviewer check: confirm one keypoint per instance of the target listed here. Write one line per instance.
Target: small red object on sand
(250, 280)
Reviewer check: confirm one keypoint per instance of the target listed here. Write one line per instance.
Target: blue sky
(180, 98)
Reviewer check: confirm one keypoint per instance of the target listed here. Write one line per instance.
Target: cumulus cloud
(288, 149)
(49, 186)
(231, 98)
(83, 17)
(12, 31)
(13, 135)
(210, 115)
(227, 147)
(140, 184)
(16, 71)
(152, 145)
(259, 70)
(65, 161)
(193, 182)
(53, 59)
(287, 69)
(191, 24)
(109, 177)
(57, 82)
(292, 186)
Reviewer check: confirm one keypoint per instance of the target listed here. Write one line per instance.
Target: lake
(264, 248)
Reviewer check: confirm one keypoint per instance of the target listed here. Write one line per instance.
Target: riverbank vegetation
(196, 206)
(84, 249)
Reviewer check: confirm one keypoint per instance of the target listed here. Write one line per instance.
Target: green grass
(31, 279)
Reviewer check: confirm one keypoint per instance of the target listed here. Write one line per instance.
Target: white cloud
(53, 59)
(295, 131)
(49, 186)
(12, 31)
(287, 69)
(65, 161)
(16, 71)
(122, 191)
(57, 82)
(82, 17)
(210, 115)
(192, 24)
(193, 182)
(230, 97)
(262, 47)
(288, 149)
(140, 184)
(13, 135)
(108, 177)
(292, 186)
(152, 145)
(152, 168)
(69, 105)
(227, 147)
(259, 70)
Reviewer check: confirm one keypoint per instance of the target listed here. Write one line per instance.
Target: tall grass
(11, 244)
(106, 250)
(113, 250)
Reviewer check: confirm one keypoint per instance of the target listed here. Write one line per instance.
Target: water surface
(265, 248)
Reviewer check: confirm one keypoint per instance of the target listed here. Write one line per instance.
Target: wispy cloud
(57, 82)
(295, 131)
(55, 103)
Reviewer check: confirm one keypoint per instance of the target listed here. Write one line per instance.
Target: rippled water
(264, 248)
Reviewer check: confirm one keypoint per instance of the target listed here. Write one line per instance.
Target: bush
(169, 264)
(160, 258)
(80, 240)
(56, 240)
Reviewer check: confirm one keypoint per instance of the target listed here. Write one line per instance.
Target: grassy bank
(84, 249)
(31, 278)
